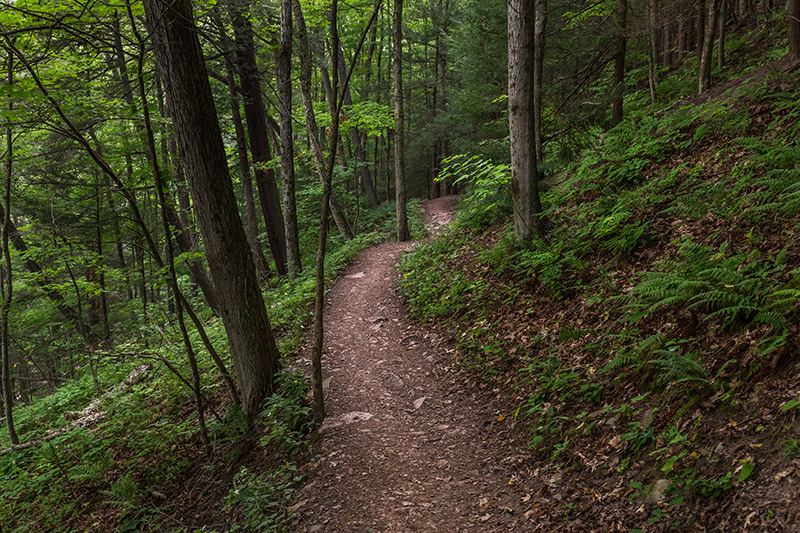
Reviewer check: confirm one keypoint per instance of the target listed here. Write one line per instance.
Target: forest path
(405, 446)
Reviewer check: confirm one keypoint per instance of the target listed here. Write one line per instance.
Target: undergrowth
(125, 471)
(666, 285)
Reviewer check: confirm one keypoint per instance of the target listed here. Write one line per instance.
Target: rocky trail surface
(405, 445)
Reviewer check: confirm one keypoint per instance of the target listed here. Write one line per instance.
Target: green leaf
(747, 470)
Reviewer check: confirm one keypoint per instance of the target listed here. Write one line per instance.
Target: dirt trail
(405, 446)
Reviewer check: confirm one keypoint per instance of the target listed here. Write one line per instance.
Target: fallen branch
(88, 416)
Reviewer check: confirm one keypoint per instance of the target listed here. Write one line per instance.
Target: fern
(679, 368)
(737, 290)
(627, 357)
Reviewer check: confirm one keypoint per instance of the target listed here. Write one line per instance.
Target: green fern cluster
(677, 368)
(733, 291)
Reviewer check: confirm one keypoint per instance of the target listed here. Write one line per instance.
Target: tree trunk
(651, 60)
(794, 31)
(365, 177)
(262, 266)
(704, 82)
(6, 282)
(182, 68)
(681, 37)
(723, 18)
(399, 134)
(539, 28)
(525, 192)
(311, 120)
(256, 119)
(197, 271)
(700, 26)
(619, 60)
(283, 62)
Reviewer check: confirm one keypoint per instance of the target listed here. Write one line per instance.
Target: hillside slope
(647, 347)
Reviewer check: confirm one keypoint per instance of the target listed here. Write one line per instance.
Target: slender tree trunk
(403, 233)
(651, 60)
(700, 26)
(173, 279)
(794, 31)
(723, 18)
(181, 64)
(284, 78)
(319, 291)
(256, 119)
(539, 28)
(365, 177)
(103, 296)
(311, 121)
(388, 161)
(6, 282)
(704, 82)
(262, 266)
(619, 60)
(525, 192)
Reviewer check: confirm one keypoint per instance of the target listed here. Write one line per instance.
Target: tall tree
(704, 81)
(311, 121)
(6, 282)
(262, 266)
(525, 189)
(256, 119)
(365, 176)
(794, 31)
(182, 68)
(403, 233)
(539, 27)
(619, 60)
(283, 60)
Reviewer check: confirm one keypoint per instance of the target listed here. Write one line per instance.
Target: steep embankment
(648, 347)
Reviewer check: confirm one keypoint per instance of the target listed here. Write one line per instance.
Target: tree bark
(365, 177)
(619, 60)
(197, 271)
(403, 233)
(700, 26)
(311, 120)
(651, 59)
(262, 266)
(525, 192)
(6, 282)
(794, 31)
(723, 18)
(182, 68)
(256, 119)
(704, 82)
(283, 61)
(539, 27)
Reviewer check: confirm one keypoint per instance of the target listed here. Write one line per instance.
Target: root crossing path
(405, 446)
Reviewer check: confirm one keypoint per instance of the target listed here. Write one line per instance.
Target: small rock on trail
(404, 446)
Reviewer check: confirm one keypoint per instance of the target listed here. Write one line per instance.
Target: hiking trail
(405, 446)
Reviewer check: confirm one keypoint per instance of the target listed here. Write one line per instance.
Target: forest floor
(408, 444)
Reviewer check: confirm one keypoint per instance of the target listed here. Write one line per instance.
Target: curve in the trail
(404, 447)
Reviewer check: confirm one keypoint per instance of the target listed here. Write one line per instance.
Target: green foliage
(733, 290)
(287, 415)
(488, 183)
(370, 118)
(676, 368)
(261, 498)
